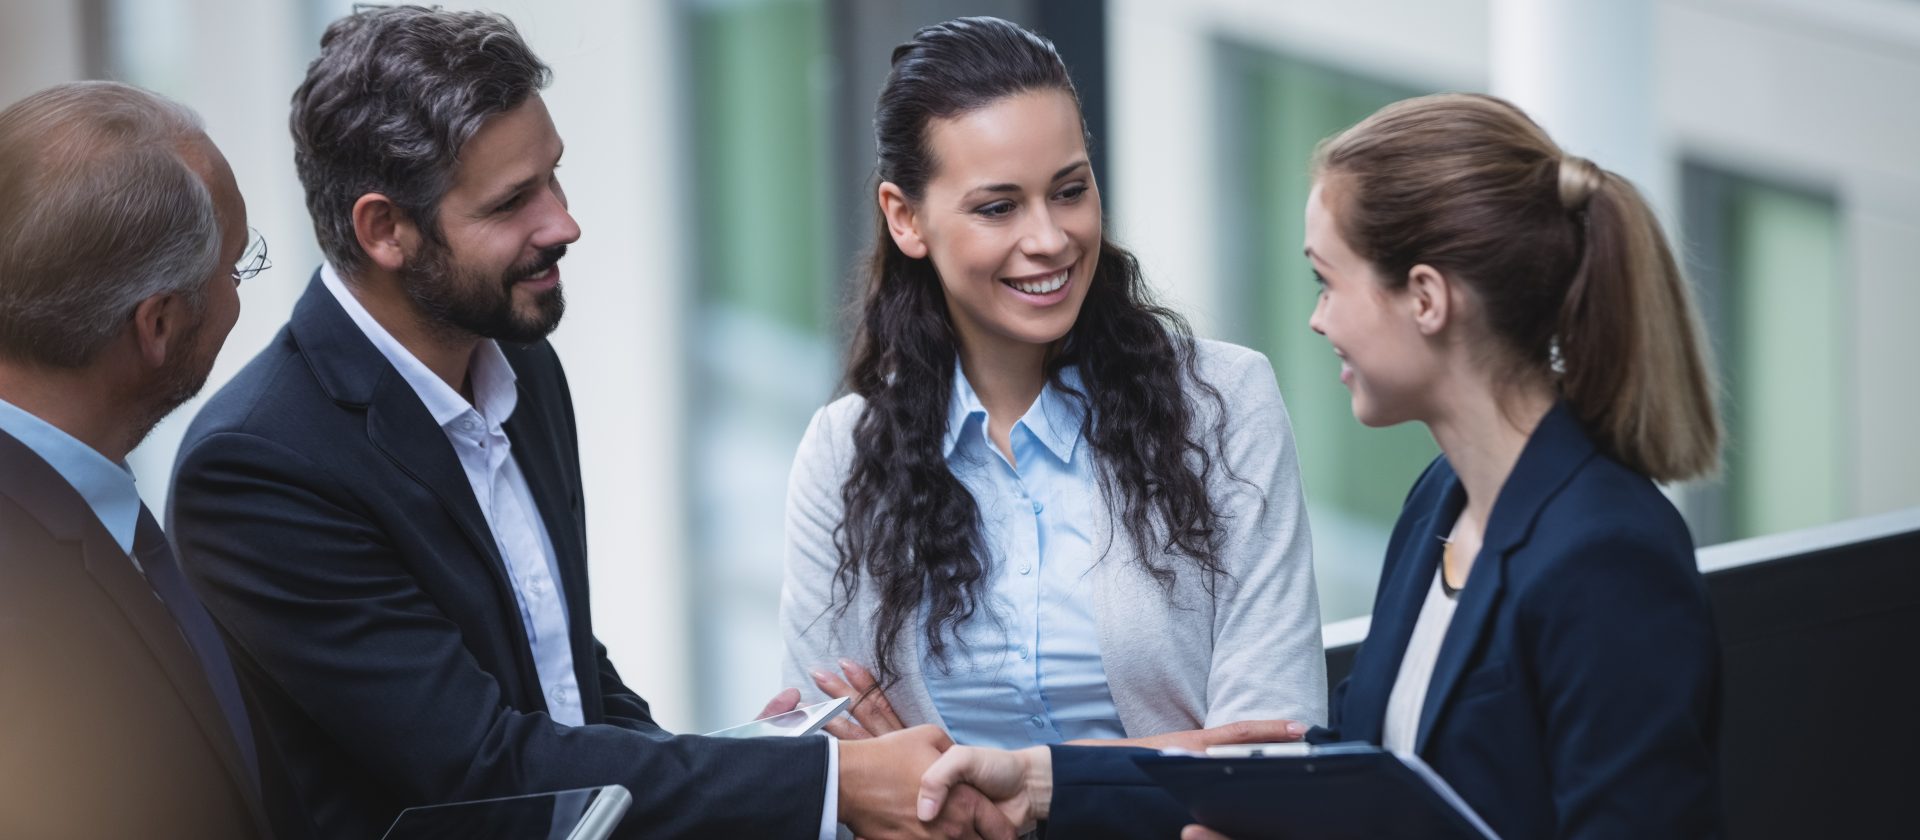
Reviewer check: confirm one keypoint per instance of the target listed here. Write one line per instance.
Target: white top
(1173, 660)
(1416, 669)
(1028, 671)
(479, 438)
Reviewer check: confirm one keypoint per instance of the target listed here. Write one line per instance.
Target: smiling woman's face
(1010, 219)
(1384, 360)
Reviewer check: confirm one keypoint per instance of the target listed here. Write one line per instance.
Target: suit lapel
(1394, 614)
(37, 488)
(1555, 451)
(352, 371)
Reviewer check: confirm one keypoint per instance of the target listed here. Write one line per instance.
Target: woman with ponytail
(1045, 511)
(1541, 635)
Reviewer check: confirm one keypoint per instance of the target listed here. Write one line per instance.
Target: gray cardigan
(1174, 660)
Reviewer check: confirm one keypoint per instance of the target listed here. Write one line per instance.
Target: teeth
(1045, 286)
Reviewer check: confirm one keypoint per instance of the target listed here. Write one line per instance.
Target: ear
(1429, 293)
(902, 224)
(385, 233)
(158, 323)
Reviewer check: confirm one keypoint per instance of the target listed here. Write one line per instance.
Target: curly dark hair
(911, 528)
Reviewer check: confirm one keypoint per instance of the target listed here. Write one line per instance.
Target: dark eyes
(1003, 208)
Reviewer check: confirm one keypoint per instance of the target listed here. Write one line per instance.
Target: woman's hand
(871, 715)
(1201, 832)
(1198, 740)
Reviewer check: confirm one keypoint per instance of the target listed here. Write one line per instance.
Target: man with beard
(384, 508)
(120, 231)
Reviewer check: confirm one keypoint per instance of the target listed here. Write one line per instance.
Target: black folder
(1332, 792)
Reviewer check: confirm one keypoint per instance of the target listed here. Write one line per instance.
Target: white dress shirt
(476, 431)
(479, 439)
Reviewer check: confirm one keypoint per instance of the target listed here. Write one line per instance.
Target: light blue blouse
(1026, 669)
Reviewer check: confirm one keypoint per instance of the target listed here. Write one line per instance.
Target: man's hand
(871, 714)
(1019, 783)
(1198, 740)
(1201, 832)
(880, 784)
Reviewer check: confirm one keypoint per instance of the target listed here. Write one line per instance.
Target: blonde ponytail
(1635, 369)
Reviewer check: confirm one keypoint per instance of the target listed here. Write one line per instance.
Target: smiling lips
(1043, 286)
(542, 281)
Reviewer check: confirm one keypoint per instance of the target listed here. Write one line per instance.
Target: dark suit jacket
(1575, 694)
(326, 520)
(111, 729)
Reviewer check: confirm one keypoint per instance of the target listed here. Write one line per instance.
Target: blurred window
(1275, 110)
(763, 353)
(1765, 258)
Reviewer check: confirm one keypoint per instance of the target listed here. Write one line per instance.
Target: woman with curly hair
(1045, 512)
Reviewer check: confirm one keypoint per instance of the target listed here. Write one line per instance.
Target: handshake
(914, 782)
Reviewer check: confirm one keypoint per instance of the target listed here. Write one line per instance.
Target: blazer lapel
(38, 488)
(1394, 614)
(353, 372)
(1555, 451)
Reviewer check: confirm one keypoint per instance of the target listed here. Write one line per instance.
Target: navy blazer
(327, 523)
(111, 727)
(1576, 690)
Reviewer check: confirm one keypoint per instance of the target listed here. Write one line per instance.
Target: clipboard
(1329, 792)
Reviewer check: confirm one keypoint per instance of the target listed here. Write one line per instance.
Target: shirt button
(1024, 568)
(1023, 651)
(1037, 507)
(1036, 722)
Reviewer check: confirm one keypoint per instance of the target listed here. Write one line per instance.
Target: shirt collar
(1054, 419)
(494, 394)
(105, 486)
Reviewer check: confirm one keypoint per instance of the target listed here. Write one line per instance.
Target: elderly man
(120, 228)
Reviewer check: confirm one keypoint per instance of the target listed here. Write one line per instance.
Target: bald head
(108, 196)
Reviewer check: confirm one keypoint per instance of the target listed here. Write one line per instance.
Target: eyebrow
(497, 198)
(1006, 188)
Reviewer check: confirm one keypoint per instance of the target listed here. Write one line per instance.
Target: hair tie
(1579, 178)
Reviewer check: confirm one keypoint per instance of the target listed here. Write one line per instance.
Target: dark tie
(156, 559)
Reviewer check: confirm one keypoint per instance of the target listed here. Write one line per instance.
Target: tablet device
(805, 720)
(584, 814)
(1330, 792)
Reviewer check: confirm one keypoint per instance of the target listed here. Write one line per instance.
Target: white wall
(40, 45)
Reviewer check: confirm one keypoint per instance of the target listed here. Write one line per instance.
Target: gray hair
(386, 107)
(98, 212)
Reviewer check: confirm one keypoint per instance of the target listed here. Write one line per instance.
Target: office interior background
(719, 162)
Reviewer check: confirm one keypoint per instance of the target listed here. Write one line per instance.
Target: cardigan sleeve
(814, 510)
(1268, 661)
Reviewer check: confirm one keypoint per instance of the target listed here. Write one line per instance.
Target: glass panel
(764, 356)
(1768, 261)
(1276, 110)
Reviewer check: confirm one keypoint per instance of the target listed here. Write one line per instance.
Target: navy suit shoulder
(328, 524)
(1576, 688)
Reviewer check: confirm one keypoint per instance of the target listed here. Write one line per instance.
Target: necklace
(1446, 563)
